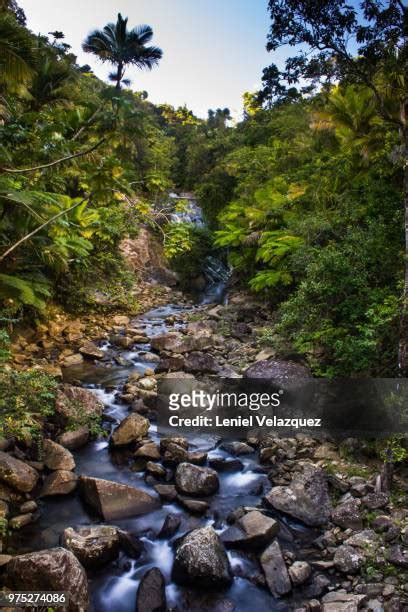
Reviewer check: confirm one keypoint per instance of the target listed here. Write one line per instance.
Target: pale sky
(214, 50)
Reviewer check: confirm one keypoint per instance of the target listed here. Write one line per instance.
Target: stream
(114, 587)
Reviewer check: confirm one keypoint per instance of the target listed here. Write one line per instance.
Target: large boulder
(60, 482)
(177, 343)
(151, 594)
(347, 515)
(56, 457)
(340, 601)
(115, 501)
(348, 559)
(56, 569)
(195, 480)
(93, 545)
(201, 559)
(74, 403)
(306, 498)
(276, 574)
(74, 439)
(17, 474)
(197, 361)
(132, 429)
(90, 350)
(252, 530)
(280, 371)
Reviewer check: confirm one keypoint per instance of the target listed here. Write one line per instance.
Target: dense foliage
(305, 192)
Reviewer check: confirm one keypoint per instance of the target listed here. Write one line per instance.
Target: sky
(214, 50)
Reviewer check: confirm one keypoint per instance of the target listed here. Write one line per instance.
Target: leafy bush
(26, 399)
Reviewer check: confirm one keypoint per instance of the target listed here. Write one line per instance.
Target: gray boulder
(151, 594)
(201, 559)
(347, 559)
(93, 545)
(17, 474)
(347, 515)
(276, 574)
(200, 362)
(252, 530)
(195, 480)
(280, 371)
(56, 569)
(113, 500)
(60, 482)
(56, 457)
(132, 429)
(306, 498)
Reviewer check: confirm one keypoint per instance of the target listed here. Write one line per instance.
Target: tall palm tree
(122, 47)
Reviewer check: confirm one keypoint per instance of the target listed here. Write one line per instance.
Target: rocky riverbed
(122, 518)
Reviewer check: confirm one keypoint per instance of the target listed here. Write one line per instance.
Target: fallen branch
(39, 228)
(57, 161)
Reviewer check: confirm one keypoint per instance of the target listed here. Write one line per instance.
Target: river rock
(202, 328)
(56, 457)
(56, 569)
(93, 545)
(280, 371)
(124, 342)
(347, 515)
(347, 559)
(149, 450)
(74, 403)
(148, 383)
(237, 448)
(60, 482)
(155, 469)
(201, 559)
(396, 556)
(28, 506)
(151, 594)
(175, 454)
(200, 362)
(21, 520)
(299, 572)
(72, 360)
(166, 342)
(374, 501)
(17, 474)
(132, 429)
(167, 492)
(276, 574)
(195, 480)
(194, 506)
(252, 530)
(170, 364)
(306, 498)
(164, 443)
(113, 500)
(90, 350)
(176, 343)
(340, 601)
(74, 439)
(170, 526)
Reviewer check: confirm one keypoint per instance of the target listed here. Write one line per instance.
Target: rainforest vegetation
(304, 195)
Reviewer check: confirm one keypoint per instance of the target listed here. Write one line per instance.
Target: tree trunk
(119, 75)
(403, 338)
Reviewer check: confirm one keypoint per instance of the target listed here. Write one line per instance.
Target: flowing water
(113, 589)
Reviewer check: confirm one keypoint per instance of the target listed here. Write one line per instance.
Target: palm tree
(122, 47)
